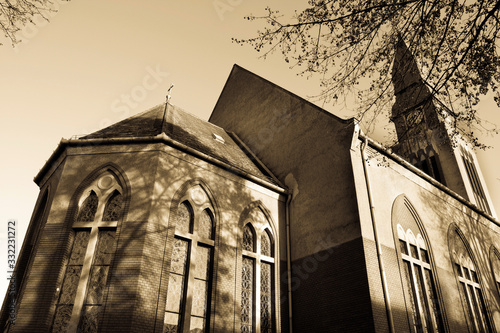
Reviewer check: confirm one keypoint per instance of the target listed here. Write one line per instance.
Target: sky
(98, 62)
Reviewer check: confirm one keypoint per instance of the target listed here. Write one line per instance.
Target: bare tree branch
(15, 14)
(454, 42)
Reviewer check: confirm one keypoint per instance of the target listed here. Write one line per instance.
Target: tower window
(435, 169)
(475, 182)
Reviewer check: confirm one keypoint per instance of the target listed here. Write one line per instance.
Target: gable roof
(190, 131)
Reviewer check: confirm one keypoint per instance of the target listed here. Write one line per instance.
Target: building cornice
(160, 138)
(381, 149)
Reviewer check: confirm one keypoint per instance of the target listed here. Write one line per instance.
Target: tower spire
(409, 87)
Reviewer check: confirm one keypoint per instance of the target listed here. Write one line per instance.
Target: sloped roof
(188, 130)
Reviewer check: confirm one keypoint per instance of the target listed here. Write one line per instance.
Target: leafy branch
(350, 45)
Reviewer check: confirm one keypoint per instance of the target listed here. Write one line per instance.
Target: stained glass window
(184, 219)
(265, 244)
(247, 292)
(113, 209)
(83, 290)
(201, 289)
(266, 302)
(97, 281)
(189, 288)
(253, 263)
(205, 227)
(70, 283)
(176, 286)
(88, 208)
(248, 238)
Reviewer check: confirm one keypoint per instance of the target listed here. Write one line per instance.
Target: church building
(273, 216)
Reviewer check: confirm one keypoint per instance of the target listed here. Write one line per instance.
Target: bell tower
(423, 137)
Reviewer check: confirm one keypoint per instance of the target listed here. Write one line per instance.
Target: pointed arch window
(420, 284)
(83, 290)
(475, 181)
(424, 308)
(470, 289)
(187, 307)
(248, 238)
(495, 266)
(248, 281)
(88, 209)
(257, 281)
(428, 162)
(114, 207)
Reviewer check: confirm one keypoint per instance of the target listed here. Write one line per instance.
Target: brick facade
(332, 201)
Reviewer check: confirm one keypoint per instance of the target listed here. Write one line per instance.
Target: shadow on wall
(478, 237)
(138, 272)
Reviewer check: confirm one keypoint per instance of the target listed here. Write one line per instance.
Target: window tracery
(266, 301)
(83, 289)
(89, 208)
(257, 261)
(247, 287)
(189, 285)
(265, 244)
(205, 228)
(420, 284)
(184, 219)
(469, 286)
(114, 207)
(248, 238)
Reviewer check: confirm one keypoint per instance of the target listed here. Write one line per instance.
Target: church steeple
(405, 72)
(413, 111)
(423, 138)
(415, 115)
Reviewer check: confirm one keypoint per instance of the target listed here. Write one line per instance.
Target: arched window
(495, 266)
(114, 207)
(257, 261)
(87, 211)
(416, 270)
(248, 238)
(266, 284)
(247, 280)
(419, 282)
(189, 287)
(82, 293)
(467, 274)
(474, 179)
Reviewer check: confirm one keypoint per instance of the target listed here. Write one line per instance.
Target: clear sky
(98, 62)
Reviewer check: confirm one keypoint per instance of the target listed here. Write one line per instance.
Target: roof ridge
(266, 81)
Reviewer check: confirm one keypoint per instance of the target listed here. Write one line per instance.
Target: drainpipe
(288, 260)
(388, 309)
